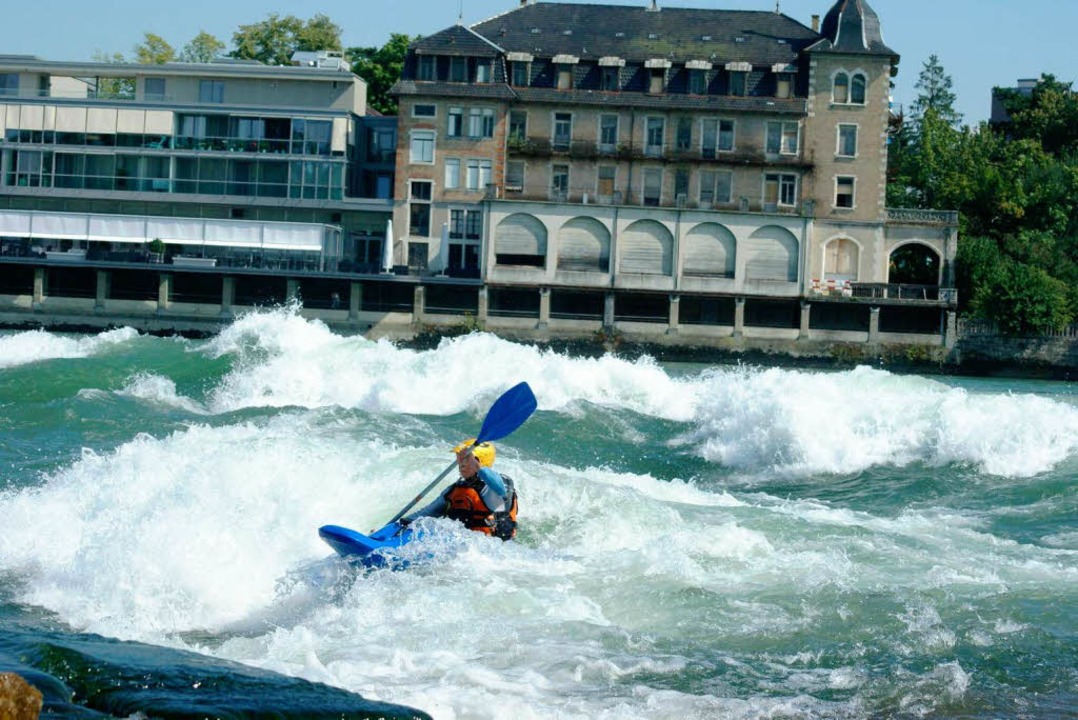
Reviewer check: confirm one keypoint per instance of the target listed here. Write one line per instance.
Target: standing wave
(38, 345)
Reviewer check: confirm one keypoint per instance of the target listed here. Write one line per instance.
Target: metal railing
(976, 327)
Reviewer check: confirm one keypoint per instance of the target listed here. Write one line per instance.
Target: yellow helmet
(484, 451)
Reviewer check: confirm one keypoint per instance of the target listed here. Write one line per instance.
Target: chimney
(654, 6)
(816, 23)
(523, 3)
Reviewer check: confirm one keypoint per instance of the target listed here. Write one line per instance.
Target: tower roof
(852, 27)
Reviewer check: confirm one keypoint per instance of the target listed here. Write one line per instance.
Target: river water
(695, 542)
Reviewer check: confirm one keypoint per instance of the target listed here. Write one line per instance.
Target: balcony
(888, 293)
(914, 216)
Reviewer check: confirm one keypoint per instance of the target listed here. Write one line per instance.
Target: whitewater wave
(38, 345)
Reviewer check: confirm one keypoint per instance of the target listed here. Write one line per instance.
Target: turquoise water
(695, 542)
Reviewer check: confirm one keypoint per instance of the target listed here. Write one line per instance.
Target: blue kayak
(374, 550)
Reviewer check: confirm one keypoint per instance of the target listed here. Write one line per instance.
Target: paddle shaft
(426, 490)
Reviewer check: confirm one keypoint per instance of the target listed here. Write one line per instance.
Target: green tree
(203, 48)
(1048, 114)
(274, 40)
(1023, 299)
(113, 87)
(154, 50)
(381, 68)
(936, 93)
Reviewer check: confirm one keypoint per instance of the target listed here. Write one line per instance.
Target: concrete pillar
(544, 309)
(355, 301)
(806, 316)
(739, 317)
(950, 330)
(873, 325)
(419, 304)
(291, 289)
(103, 279)
(674, 325)
(164, 291)
(484, 307)
(228, 295)
(39, 287)
(608, 311)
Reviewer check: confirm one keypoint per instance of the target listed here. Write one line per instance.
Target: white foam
(159, 390)
(34, 346)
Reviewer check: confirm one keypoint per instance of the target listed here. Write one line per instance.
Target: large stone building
(619, 166)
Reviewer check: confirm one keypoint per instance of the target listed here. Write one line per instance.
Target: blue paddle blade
(508, 413)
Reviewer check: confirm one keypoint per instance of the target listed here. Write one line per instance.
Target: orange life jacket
(464, 503)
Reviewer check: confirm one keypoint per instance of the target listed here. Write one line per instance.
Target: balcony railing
(885, 291)
(922, 217)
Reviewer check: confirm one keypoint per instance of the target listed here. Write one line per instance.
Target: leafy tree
(113, 87)
(274, 40)
(936, 94)
(381, 68)
(154, 50)
(1023, 299)
(1048, 114)
(203, 48)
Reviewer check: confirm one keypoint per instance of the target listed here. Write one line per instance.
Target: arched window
(857, 90)
(840, 93)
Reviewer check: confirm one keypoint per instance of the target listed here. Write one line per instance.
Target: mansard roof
(592, 31)
(457, 40)
(852, 27)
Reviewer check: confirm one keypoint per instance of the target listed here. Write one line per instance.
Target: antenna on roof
(778, 10)
(460, 17)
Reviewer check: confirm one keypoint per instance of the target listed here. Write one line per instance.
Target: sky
(980, 43)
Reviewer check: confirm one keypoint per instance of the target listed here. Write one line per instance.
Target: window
(782, 138)
(565, 77)
(608, 132)
(478, 174)
(465, 227)
(681, 185)
(844, 192)
(211, 91)
(518, 126)
(9, 84)
(716, 187)
(458, 69)
(609, 79)
(847, 141)
(684, 133)
(653, 186)
(737, 82)
(840, 88)
(422, 148)
(717, 136)
(563, 130)
(419, 208)
(559, 182)
(783, 85)
(428, 68)
(452, 173)
(455, 122)
(779, 189)
(697, 82)
(514, 176)
(521, 74)
(482, 70)
(154, 88)
(857, 90)
(481, 123)
(657, 82)
(424, 111)
(607, 178)
(655, 129)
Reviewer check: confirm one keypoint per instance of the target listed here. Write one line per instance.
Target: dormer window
(609, 79)
(428, 68)
(783, 85)
(697, 82)
(738, 83)
(482, 70)
(565, 77)
(657, 75)
(520, 74)
(458, 69)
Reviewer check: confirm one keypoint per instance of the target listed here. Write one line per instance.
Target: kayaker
(482, 499)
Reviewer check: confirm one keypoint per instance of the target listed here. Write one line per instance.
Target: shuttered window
(584, 244)
(647, 248)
